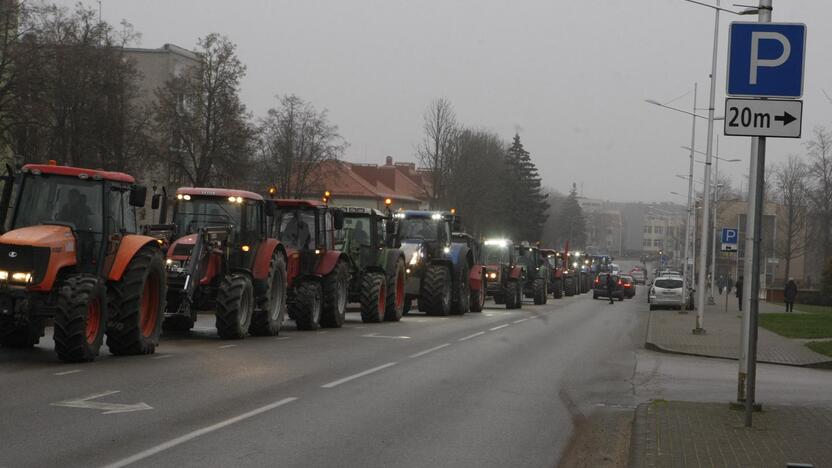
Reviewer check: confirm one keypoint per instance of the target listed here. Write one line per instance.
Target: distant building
(157, 66)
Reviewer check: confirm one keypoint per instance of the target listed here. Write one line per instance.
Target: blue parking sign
(766, 59)
(729, 236)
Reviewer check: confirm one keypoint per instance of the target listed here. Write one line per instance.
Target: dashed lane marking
(376, 335)
(228, 346)
(499, 327)
(427, 351)
(520, 321)
(472, 336)
(283, 338)
(163, 356)
(73, 371)
(197, 433)
(358, 375)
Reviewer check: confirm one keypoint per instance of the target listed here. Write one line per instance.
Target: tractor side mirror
(138, 194)
(338, 219)
(156, 201)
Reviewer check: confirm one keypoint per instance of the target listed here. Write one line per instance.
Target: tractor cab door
(249, 236)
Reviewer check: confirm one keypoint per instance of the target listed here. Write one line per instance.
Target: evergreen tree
(570, 224)
(526, 201)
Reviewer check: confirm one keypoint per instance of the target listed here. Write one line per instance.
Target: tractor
(505, 274)
(72, 255)
(476, 275)
(318, 273)
(437, 273)
(220, 258)
(537, 273)
(554, 259)
(377, 271)
(570, 275)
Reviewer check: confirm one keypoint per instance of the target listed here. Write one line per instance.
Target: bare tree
(820, 194)
(203, 124)
(296, 140)
(436, 152)
(790, 181)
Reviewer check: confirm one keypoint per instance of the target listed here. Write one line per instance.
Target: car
(629, 286)
(667, 292)
(639, 277)
(668, 273)
(599, 287)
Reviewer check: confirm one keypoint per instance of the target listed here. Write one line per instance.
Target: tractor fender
(327, 262)
(265, 251)
(127, 248)
(476, 277)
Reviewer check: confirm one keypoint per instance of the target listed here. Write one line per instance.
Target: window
(646, 243)
(648, 229)
(658, 229)
(657, 243)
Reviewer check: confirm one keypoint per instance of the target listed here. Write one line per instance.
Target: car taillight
(619, 282)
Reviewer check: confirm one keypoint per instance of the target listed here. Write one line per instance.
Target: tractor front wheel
(557, 289)
(335, 286)
(268, 317)
(436, 291)
(136, 305)
(395, 293)
(235, 306)
(80, 318)
(478, 296)
(513, 295)
(306, 306)
(463, 289)
(539, 291)
(373, 297)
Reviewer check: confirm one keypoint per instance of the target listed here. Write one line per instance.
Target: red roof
(80, 172)
(366, 181)
(218, 192)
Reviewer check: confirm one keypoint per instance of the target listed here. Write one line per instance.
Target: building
(157, 66)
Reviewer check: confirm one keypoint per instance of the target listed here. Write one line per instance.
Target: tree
(571, 224)
(436, 151)
(203, 125)
(820, 190)
(527, 200)
(790, 182)
(295, 140)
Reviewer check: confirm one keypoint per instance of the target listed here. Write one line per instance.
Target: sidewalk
(670, 331)
(685, 434)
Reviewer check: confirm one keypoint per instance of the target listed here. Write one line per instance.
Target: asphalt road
(499, 388)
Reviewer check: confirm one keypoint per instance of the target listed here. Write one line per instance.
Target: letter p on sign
(766, 59)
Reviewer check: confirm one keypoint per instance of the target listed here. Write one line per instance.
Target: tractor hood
(46, 235)
(181, 248)
(32, 256)
(412, 250)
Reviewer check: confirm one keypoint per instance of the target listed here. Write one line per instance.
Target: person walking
(738, 287)
(729, 284)
(789, 294)
(610, 287)
(720, 284)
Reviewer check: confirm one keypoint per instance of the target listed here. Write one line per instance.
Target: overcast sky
(570, 76)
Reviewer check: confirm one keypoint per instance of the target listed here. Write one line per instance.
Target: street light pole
(713, 227)
(689, 226)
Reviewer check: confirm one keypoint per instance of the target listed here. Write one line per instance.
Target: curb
(814, 365)
(638, 437)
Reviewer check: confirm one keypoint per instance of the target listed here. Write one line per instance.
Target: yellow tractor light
(245, 248)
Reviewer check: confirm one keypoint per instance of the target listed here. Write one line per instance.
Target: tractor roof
(81, 173)
(360, 210)
(421, 214)
(298, 203)
(462, 235)
(218, 192)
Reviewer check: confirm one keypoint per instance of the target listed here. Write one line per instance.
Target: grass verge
(822, 347)
(798, 325)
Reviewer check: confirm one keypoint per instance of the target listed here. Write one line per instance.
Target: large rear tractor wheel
(271, 307)
(235, 306)
(513, 295)
(436, 291)
(136, 305)
(395, 293)
(478, 296)
(14, 335)
(306, 306)
(463, 290)
(539, 291)
(335, 287)
(373, 297)
(80, 319)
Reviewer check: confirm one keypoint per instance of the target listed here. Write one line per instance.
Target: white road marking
(418, 321)
(472, 336)
(520, 321)
(203, 329)
(109, 408)
(163, 356)
(489, 315)
(320, 332)
(283, 337)
(358, 375)
(435, 348)
(499, 327)
(228, 346)
(73, 371)
(197, 433)
(376, 335)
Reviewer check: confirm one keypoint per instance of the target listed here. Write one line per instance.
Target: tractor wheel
(395, 293)
(557, 289)
(335, 286)
(271, 305)
(513, 295)
(478, 297)
(80, 318)
(373, 297)
(463, 302)
(306, 305)
(13, 335)
(436, 291)
(136, 305)
(539, 291)
(499, 299)
(235, 306)
(408, 304)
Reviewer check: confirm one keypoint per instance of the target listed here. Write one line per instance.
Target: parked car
(639, 277)
(629, 286)
(599, 287)
(667, 291)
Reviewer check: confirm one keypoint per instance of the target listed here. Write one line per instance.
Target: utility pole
(713, 227)
(687, 275)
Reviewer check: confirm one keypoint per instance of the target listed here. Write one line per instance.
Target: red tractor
(72, 255)
(505, 276)
(556, 269)
(318, 274)
(220, 258)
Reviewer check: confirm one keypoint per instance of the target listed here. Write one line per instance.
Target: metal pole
(765, 17)
(706, 195)
(689, 227)
(713, 227)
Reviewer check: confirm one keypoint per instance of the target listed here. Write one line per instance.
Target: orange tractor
(71, 255)
(220, 258)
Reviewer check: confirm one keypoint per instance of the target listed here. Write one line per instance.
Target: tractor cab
(363, 234)
(423, 235)
(503, 272)
(536, 266)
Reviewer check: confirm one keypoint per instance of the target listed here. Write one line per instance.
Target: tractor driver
(76, 211)
(359, 234)
(297, 232)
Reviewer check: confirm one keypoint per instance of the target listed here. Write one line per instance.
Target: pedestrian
(610, 287)
(738, 287)
(789, 294)
(729, 284)
(720, 284)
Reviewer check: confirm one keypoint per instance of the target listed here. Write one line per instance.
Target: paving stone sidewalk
(686, 434)
(670, 331)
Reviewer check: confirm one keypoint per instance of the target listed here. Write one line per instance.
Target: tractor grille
(183, 250)
(25, 259)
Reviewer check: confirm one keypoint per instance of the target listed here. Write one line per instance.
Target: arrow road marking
(786, 118)
(376, 335)
(109, 408)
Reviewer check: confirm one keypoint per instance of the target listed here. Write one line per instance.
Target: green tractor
(536, 286)
(377, 271)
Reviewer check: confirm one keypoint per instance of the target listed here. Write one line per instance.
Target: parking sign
(730, 237)
(766, 59)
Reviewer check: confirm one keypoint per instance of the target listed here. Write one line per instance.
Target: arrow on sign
(786, 118)
(109, 408)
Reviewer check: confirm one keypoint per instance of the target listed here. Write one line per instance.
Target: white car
(667, 291)
(668, 273)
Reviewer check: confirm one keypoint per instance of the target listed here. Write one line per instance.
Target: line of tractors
(72, 254)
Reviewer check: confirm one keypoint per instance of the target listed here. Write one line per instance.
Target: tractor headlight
(414, 259)
(4, 275)
(173, 265)
(492, 275)
(20, 277)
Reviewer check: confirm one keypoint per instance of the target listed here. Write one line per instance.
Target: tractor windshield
(495, 254)
(47, 198)
(357, 228)
(419, 228)
(191, 214)
(296, 227)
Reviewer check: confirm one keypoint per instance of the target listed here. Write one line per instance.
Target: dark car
(599, 287)
(629, 285)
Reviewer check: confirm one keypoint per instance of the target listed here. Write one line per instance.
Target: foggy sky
(570, 76)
